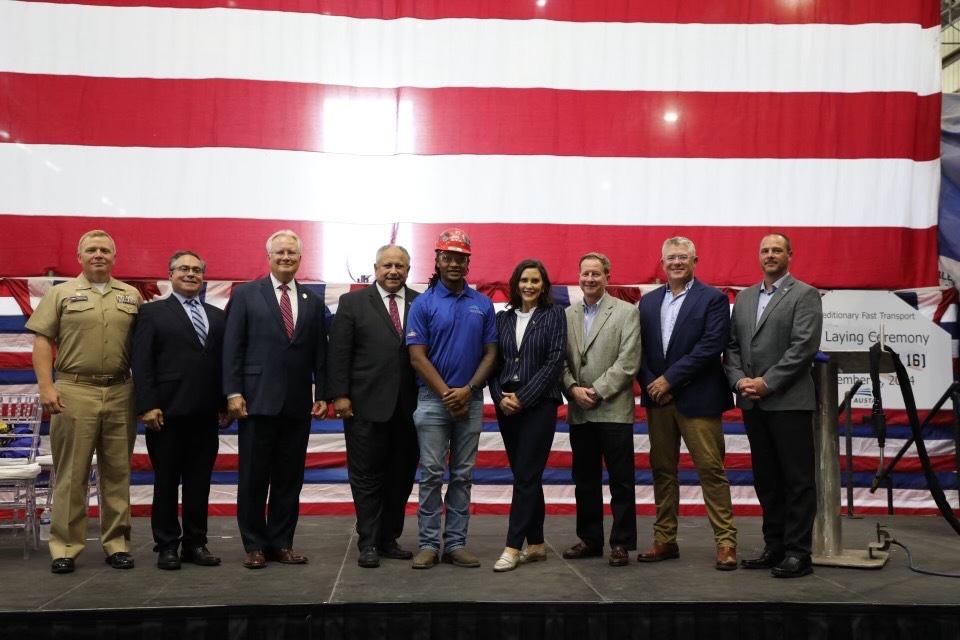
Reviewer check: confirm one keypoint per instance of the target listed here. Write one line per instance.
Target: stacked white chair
(19, 471)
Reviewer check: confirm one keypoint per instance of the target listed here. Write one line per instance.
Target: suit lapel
(689, 301)
(303, 308)
(603, 314)
(379, 309)
(578, 326)
(532, 326)
(266, 290)
(779, 295)
(178, 310)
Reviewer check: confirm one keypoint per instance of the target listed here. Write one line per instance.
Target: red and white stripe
(543, 130)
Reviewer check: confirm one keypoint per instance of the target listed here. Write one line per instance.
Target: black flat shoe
(792, 567)
(167, 560)
(394, 551)
(766, 560)
(200, 556)
(62, 565)
(369, 559)
(120, 560)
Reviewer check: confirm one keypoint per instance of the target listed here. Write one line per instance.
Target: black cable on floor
(918, 569)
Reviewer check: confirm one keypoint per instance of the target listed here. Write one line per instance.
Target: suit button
(516, 359)
(583, 362)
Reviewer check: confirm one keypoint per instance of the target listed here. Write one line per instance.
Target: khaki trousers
(100, 419)
(704, 440)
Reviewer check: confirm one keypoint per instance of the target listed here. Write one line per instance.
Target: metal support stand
(848, 441)
(827, 534)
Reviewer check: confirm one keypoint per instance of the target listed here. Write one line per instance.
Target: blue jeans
(437, 434)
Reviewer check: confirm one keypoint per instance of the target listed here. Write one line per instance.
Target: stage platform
(332, 597)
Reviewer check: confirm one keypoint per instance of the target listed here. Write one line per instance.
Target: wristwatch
(474, 388)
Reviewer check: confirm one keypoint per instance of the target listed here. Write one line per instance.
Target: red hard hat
(454, 239)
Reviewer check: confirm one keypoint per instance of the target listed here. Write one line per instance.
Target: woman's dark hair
(545, 300)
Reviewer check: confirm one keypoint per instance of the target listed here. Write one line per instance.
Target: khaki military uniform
(93, 333)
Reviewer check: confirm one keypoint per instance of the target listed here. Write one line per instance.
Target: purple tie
(395, 314)
(286, 310)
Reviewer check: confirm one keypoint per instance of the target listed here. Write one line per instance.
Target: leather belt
(97, 381)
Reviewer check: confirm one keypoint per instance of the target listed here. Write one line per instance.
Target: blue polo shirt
(454, 328)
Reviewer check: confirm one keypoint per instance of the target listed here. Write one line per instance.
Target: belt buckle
(103, 380)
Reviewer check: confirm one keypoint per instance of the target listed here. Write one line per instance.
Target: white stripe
(248, 183)
(265, 45)
(16, 342)
(564, 495)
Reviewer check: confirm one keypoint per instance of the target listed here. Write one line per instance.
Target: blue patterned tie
(197, 321)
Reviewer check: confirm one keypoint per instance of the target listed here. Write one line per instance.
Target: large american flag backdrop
(545, 128)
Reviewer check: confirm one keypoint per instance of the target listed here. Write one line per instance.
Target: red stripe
(925, 12)
(144, 112)
(564, 459)
(346, 509)
(16, 360)
(728, 255)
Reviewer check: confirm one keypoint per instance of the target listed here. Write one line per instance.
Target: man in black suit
(374, 390)
(177, 355)
(274, 350)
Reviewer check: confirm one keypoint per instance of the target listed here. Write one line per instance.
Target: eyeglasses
(675, 258)
(285, 253)
(185, 269)
(456, 258)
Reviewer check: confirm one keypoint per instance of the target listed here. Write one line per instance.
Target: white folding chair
(19, 440)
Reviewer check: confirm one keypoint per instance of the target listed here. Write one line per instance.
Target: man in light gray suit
(774, 337)
(603, 356)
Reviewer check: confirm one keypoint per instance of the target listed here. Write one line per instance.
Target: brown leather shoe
(619, 557)
(726, 559)
(286, 556)
(255, 560)
(659, 551)
(580, 551)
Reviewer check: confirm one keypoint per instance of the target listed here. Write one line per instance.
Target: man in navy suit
(177, 360)
(684, 326)
(274, 350)
(374, 391)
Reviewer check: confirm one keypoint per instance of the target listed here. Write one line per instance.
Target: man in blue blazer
(177, 364)
(274, 351)
(684, 326)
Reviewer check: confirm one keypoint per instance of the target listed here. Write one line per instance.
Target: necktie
(395, 314)
(197, 320)
(286, 310)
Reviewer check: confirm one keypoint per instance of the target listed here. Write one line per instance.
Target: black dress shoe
(394, 551)
(120, 560)
(369, 558)
(766, 560)
(62, 565)
(792, 567)
(581, 550)
(201, 556)
(167, 559)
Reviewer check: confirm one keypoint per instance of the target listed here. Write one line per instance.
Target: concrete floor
(332, 576)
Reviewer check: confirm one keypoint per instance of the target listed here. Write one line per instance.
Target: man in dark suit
(177, 359)
(774, 337)
(274, 350)
(684, 326)
(374, 390)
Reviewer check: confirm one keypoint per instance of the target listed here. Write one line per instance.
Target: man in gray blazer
(774, 337)
(603, 356)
